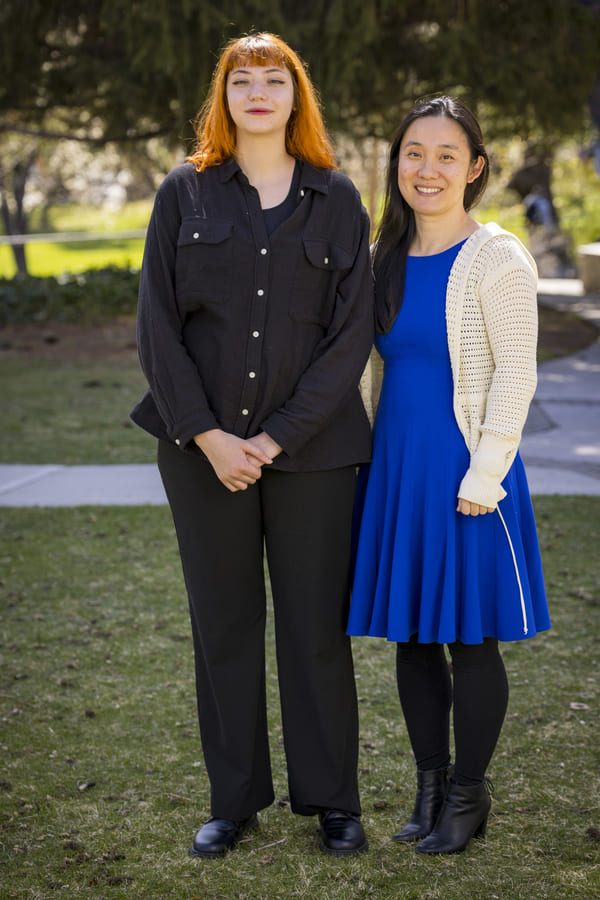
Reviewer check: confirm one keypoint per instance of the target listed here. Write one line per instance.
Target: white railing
(65, 237)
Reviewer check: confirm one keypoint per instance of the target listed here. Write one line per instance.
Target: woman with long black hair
(447, 548)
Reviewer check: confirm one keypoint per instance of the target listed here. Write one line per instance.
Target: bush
(92, 296)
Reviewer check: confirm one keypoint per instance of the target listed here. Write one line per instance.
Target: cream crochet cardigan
(491, 318)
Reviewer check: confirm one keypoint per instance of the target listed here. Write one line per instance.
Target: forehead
(435, 131)
(269, 67)
(257, 55)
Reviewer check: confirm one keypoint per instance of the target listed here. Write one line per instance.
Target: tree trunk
(15, 222)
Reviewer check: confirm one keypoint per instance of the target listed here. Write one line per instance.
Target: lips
(427, 191)
(259, 111)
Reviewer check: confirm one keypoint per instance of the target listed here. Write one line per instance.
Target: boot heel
(480, 832)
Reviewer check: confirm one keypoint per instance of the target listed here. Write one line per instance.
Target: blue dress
(420, 567)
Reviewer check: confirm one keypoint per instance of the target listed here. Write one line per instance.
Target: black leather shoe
(217, 836)
(341, 833)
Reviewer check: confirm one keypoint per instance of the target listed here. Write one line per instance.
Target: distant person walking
(447, 550)
(538, 209)
(255, 322)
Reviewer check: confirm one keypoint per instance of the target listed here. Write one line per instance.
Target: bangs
(255, 51)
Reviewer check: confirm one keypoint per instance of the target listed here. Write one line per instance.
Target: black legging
(478, 688)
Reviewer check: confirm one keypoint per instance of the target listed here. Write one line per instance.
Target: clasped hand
(472, 509)
(237, 462)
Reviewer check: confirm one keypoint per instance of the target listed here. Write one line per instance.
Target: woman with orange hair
(255, 322)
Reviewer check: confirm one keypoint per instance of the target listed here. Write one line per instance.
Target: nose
(256, 90)
(427, 168)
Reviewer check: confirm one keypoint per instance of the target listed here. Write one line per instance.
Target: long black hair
(397, 228)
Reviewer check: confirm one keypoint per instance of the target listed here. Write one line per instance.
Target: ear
(476, 169)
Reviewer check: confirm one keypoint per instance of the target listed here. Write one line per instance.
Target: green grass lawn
(72, 413)
(103, 784)
(55, 258)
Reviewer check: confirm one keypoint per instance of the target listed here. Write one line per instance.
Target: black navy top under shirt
(248, 326)
(275, 215)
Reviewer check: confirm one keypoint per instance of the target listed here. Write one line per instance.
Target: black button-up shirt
(245, 332)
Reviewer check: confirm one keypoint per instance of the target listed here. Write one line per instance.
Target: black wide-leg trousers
(303, 523)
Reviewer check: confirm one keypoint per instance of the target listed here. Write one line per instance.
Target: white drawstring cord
(525, 627)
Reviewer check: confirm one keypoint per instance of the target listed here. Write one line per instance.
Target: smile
(428, 190)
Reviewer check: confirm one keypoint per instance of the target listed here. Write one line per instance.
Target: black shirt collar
(311, 176)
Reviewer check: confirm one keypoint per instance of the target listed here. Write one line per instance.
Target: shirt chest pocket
(321, 267)
(204, 262)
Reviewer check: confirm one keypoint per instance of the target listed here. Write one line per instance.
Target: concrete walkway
(561, 441)
(560, 446)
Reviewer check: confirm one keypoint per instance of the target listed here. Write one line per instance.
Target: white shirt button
(244, 412)
(260, 292)
(255, 333)
(177, 441)
(196, 235)
(251, 374)
(302, 192)
(326, 260)
(264, 251)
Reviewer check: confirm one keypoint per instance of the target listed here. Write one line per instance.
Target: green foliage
(126, 71)
(92, 296)
(524, 67)
(103, 782)
(119, 69)
(527, 68)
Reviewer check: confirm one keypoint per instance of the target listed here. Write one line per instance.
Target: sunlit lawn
(54, 258)
(103, 782)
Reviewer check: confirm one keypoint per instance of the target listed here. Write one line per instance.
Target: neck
(268, 167)
(433, 235)
(262, 159)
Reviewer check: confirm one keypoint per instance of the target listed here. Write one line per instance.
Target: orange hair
(306, 137)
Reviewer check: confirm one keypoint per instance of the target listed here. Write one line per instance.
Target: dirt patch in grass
(560, 334)
(71, 342)
(563, 333)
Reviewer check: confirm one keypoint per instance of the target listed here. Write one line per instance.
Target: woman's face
(260, 99)
(435, 165)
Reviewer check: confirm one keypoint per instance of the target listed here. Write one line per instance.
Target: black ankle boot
(464, 815)
(431, 790)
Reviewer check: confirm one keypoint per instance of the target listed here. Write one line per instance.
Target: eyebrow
(419, 144)
(247, 71)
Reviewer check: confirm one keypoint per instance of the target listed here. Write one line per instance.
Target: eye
(276, 81)
(239, 81)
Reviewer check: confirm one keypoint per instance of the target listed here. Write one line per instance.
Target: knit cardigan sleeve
(497, 375)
